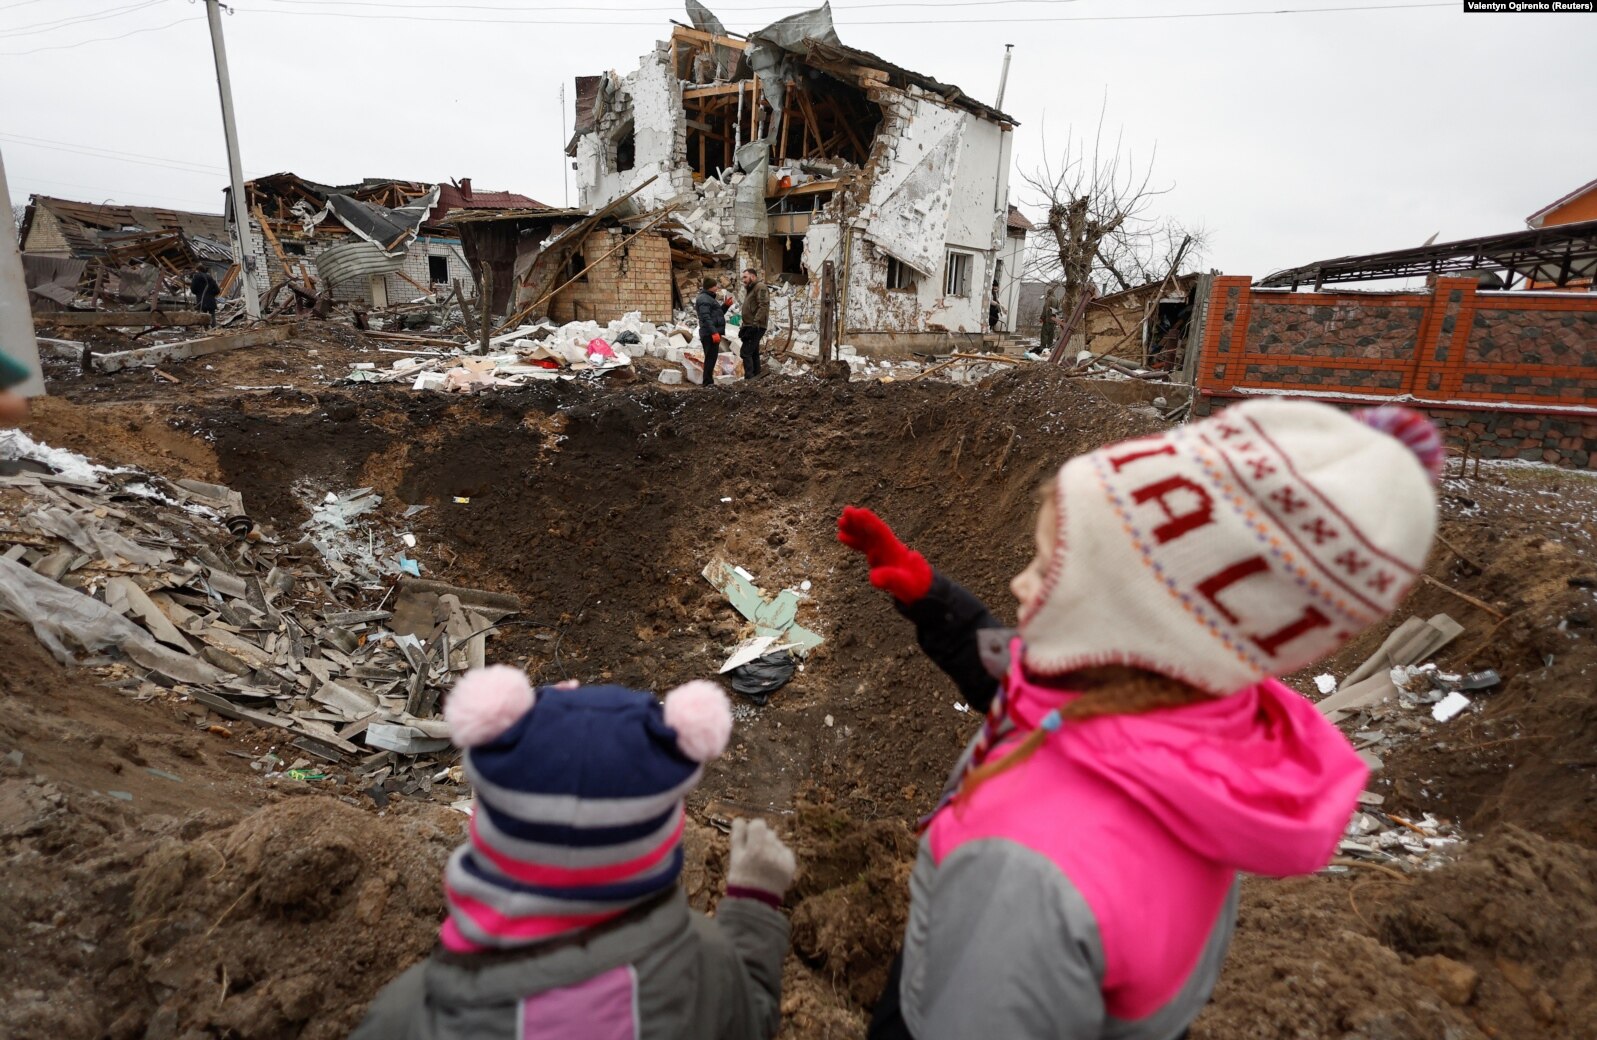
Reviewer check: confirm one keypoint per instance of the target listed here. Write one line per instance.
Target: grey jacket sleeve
(399, 1010)
(759, 938)
(1010, 949)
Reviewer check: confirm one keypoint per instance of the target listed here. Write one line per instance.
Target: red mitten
(715, 337)
(895, 567)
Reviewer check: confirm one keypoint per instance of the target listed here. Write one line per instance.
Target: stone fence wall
(1506, 374)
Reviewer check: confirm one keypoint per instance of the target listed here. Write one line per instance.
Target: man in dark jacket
(756, 315)
(205, 291)
(712, 325)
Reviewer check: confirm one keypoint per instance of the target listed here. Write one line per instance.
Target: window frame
(963, 263)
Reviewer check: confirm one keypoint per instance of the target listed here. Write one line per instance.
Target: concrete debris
(1375, 836)
(295, 637)
(1371, 683)
(1449, 707)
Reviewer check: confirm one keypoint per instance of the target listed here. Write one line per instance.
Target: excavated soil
(223, 904)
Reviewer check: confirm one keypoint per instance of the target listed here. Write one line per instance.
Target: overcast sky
(1291, 137)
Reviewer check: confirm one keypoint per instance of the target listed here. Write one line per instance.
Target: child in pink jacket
(1078, 880)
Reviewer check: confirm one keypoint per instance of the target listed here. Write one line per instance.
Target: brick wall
(636, 277)
(1512, 373)
(44, 235)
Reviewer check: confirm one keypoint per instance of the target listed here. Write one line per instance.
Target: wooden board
(121, 319)
(193, 348)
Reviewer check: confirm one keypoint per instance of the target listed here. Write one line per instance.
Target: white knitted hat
(1246, 545)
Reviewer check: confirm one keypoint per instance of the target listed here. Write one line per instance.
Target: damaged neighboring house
(378, 242)
(84, 254)
(790, 151)
(1142, 323)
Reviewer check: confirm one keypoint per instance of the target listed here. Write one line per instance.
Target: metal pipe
(1003, 77)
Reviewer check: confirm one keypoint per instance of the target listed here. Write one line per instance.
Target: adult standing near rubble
(712, 326)
(205, 291)
(1050, 319)
(756, 315)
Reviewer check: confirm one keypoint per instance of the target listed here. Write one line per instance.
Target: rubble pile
(331, 639)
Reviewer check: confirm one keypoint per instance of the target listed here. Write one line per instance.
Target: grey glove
(760, 863)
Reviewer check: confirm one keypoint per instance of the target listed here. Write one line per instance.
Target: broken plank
(146, 356)
(227, 709)
(126, 319)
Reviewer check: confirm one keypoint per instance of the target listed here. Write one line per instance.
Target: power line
(851, 22)
(99, 39)
(94, 154)
(100, 190)
(61, 23)
(109, 152)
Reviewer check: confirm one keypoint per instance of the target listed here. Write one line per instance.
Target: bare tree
(18, 210)
(1099, 235)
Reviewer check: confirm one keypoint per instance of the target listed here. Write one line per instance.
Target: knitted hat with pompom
(1245, 545)
(579, 813)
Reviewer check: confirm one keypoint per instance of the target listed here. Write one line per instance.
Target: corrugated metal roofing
(355, 261)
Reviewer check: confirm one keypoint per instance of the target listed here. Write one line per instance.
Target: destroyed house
(792, 152)
(379, 242)
(80, 253)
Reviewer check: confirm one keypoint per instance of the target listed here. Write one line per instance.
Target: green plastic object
(12, 372)
(734, 319)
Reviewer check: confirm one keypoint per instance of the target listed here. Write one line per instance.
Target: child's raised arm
(947, 618)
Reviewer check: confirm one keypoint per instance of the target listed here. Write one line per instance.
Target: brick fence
(1506, 374)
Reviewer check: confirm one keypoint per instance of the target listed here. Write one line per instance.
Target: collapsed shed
(83, 254)
(377, 242)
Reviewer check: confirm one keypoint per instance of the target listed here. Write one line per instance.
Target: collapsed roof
(1557, 256)
(123, 233)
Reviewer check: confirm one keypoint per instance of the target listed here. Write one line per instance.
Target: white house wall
(651, 97)
(941, 182)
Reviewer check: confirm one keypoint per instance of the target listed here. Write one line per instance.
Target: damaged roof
(87, 225)
(1558, 256)
(460, 195)
(899, 76)
(392, 193)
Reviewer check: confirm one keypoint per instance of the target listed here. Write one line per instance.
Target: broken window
(294, 248)
(900, 276)
(577, 268)
(626, 148)
(956, 277)
(438, 269)
(792, 260)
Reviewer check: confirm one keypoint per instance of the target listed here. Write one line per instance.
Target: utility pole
(242, 244)
(16, 317)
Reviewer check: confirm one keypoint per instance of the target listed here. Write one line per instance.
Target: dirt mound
(282, 924)
(1502, 943)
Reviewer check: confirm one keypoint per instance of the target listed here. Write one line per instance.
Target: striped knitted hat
(579, 812)
(1246, 545)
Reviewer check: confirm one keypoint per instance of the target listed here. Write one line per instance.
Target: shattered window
(294, 248)
(956, 280)
(577, 268)
(626, 144)
(438, 269)
(900, 277)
